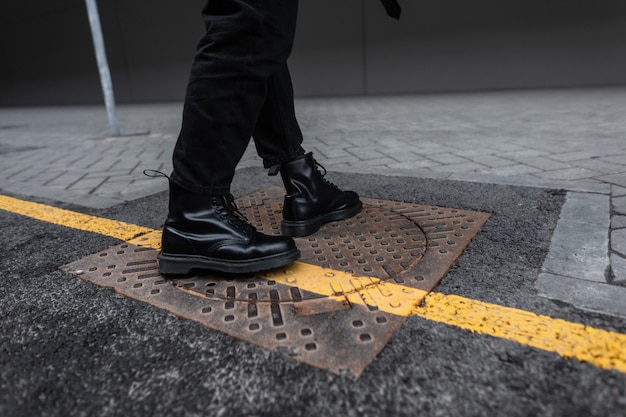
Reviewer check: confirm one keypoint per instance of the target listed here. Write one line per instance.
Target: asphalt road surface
(69, 348)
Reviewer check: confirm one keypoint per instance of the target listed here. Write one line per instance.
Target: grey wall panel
(47, 53)
(150, 45)
(327, 58)
(453, 45)
(343, 47)
(48, 56)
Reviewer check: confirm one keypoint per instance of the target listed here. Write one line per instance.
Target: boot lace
(322, 171)
(228, 210)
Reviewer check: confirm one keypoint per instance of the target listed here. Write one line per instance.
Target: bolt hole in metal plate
(336, 308)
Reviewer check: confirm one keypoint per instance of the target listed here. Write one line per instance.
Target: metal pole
(103, 65)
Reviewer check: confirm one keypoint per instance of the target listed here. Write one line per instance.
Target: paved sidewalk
(562, 139)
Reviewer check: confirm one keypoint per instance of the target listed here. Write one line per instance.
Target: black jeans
(239, 88)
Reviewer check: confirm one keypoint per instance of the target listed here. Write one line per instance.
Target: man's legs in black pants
(240, 87)
(246, 43)
(277, 135)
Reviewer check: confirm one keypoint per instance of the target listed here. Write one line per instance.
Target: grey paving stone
(476, 151)
(108, 173)
(400, 153)
(88, 160)
(618, 241)
(600, 165)
(415, 164)
(541, 162)
(365, 154)
(513, 170)
(492, 161)
(382, 162)
(329, 153)
(411, 173)
(617, 191)
(62, 179)
(579, 247)
(618, 267)
(618, 158)
(575, 155)
(109, 189)
(591, 296)
(360, 142)
(60, 157)
(59, 194)
(619, 204)
(91, 185)
(12, 160)
(429, 148)
(550, 145)
(618, 222)
(447, 158)
(14, 172)
(502, 148)
(460, 167)
(516, 152)
(569, 174)
(616, 179)
(38, 174)
(345, 161)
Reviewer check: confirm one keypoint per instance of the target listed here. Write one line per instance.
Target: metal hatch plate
(336, 308)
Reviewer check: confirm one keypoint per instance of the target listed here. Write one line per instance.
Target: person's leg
(277, 135)
(311, 200)
(246, 42)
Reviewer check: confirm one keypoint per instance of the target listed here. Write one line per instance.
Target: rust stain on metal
(341, 329)
(321, 306)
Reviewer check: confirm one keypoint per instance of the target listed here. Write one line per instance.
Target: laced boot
(208, 232)
(311, 199)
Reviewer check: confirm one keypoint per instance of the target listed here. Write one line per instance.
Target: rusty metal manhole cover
(354, 286)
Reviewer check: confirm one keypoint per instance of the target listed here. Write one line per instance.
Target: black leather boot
(311, 200)
(208, 232)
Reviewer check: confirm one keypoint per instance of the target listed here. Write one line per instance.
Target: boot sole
(185, 264)
(302, 228)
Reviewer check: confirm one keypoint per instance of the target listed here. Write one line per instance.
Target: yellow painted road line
(598, 347)
(367, 291)
(601, 348)
(150, 240)
(112, 228)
